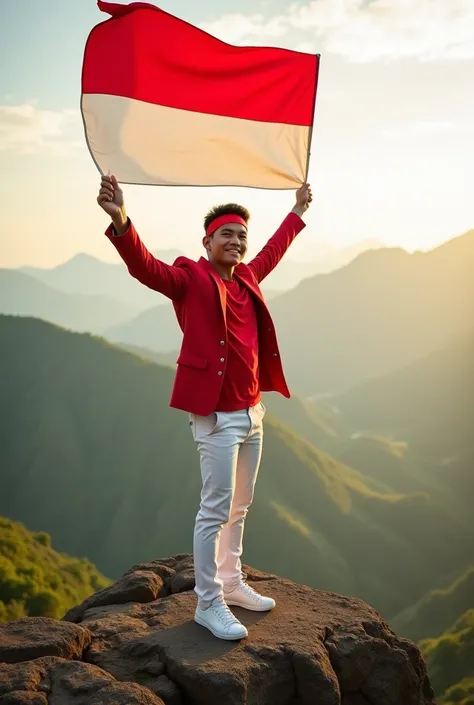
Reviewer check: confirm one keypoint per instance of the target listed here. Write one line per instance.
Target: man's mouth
(233, 249)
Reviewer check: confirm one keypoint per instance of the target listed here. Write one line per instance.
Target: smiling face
(227, 245)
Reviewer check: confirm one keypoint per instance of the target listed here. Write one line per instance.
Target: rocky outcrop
(54, 681)
(136, 642)
(27, 638)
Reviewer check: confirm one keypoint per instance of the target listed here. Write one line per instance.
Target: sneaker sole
(226, 637)
(231, 603)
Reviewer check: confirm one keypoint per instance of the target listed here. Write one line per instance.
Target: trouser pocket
(257, 414)
(203, 426)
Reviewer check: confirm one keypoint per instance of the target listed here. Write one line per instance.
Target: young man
(229, 354)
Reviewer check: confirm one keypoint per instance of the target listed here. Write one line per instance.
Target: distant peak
(378, 252)
(84, 257)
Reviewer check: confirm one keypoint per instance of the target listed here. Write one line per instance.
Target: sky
(393, 141)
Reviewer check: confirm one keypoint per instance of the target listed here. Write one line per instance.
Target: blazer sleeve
(269, 256)
(169, 280)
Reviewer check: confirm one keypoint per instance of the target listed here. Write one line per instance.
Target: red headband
(223, 220)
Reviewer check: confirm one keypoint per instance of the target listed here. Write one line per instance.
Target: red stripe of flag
(144, 53)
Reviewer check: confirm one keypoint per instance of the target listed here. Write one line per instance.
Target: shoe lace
(250, 592)
(223, 613)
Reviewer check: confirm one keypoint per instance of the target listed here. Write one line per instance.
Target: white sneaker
(220, 621)
(248, 598)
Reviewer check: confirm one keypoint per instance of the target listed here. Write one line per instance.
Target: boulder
(144, 647)
(56, 681)
(138, 586)
(31, 637)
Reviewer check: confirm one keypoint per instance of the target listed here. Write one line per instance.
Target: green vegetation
(448, 650)
(460, 694)
(91, 453)
(372, 497)
(438, 610)
(166, 359)
(430, 401)
(450, 660)
(319, 426)
(391, 463)
(35, 580)
(413, 433)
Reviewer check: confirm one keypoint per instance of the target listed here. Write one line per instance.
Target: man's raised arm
(269, 256)
(168, 280)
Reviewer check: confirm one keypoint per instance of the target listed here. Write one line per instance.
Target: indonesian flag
(165, 103)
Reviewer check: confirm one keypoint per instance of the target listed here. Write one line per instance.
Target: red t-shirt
(241, 387)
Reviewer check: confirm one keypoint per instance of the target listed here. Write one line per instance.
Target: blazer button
(219, 373)
(275, 354)
(222, 342)
(222, 359)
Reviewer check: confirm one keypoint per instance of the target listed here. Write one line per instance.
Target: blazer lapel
(240, 273)
(205, 264)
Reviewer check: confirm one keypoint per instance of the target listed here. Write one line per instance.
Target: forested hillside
(36, 580)
(91, 453)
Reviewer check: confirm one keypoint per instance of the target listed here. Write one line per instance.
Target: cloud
(419, 129)
(26, 129)
(362, 30)
(245, 29)
(248, 29)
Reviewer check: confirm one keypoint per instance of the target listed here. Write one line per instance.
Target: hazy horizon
(318, 252)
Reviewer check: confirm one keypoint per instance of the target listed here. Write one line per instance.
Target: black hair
(226, 209)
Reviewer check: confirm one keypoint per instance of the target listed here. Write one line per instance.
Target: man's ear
(206, 241)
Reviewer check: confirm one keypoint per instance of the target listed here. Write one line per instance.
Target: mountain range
(89, 431)
(429, 402)
(383, 310)
(367, 470)
(410, 430)
(387, 307)
(21, 294)
(103, 297)
(317, 259)
(85, 274)
(156, 329)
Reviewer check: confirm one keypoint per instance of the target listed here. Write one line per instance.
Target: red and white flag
(166, 103)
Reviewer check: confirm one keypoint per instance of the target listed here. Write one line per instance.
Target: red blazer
(199, 299)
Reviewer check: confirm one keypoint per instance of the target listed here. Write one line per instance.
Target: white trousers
(230, 449)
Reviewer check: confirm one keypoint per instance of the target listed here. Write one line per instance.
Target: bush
(15, 610)
(35, 580)
(461, 694)
(45, 603)
(43, 538)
